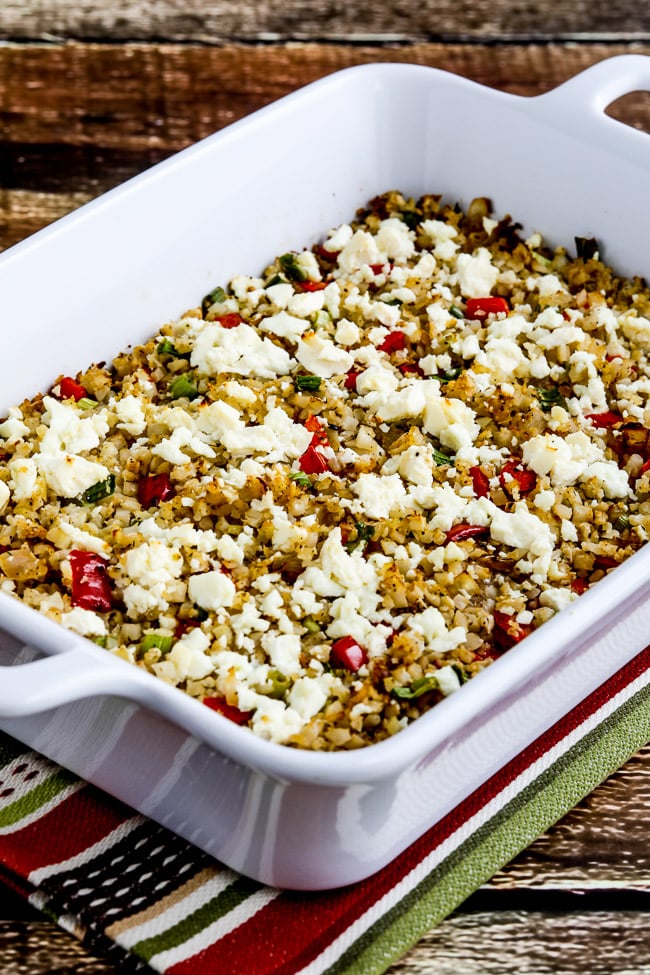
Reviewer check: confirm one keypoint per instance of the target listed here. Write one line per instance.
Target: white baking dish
(110, 274)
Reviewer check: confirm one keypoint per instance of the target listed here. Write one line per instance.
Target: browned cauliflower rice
(331, 495)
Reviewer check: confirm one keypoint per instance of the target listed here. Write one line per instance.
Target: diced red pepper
(480, 308)
(394, 342)
(310, 285)
(377, 268)
(459, 532)
(480, 482)
(406, 368)
(231, 320)
(319, 430)
(605, 562)
(230, 711)
(69, 388)
(313, 462)
(153, 489)
(610, 358)
(324, 253)
(646, 467)
(507, 631)
(351, 379)
(580, 586)
(604, 420)
(91, 585)
(525, 478)
(347, 653)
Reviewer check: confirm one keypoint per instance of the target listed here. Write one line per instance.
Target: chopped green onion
(183, 386)
(214, 297)
(276, 279)
(168, 348)
(441, 459)
(279, 684)
(99, 491)
(456, 312)
(163, 642)
(586, 247)
(411, 218)
(86, 403)
(548, 398)
(419, 687)
(461, 674)
(364, 534)
(311, 625)
(545, 261)
(622, 524)
(101, 641)
(321, 319)
(302, 479)
(291, 267)
(448, 375)
(307, 383)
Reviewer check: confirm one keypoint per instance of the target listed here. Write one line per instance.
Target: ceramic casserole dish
(119, 267)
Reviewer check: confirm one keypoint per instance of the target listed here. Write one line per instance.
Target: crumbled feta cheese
(13, 429)
(84, 621)
(379, 495)
(451, 420)
(130, 414)
(285, 325)
(23, 472)
(477, 275)
(68, 475)
(438, 638)
(238, 350)
(212, 590)
(322, 357)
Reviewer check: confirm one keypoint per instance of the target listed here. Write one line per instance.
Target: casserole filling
(334, 493)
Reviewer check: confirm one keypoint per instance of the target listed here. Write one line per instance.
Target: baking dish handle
(46, 683)
(599, 85)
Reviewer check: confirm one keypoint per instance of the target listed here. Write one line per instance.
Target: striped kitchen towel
(148, 900)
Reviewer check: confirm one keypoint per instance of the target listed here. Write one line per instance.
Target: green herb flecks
(292, 268)
(300, 478)
(99, 491)
(276, 279)
(86, 403)
(183, 386)
(441, 458)
(214, 297)
(307, 384)
(448, 375)
(419, 687)
(166, 347)
(365, 533)
(548, 398)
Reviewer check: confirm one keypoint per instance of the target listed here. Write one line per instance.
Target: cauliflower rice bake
(334, 493)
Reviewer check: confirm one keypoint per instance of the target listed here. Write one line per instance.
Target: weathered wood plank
(147, 98)
(77, 119)
(517, 943)
(40, 948)
(219, 21)
(482, 943)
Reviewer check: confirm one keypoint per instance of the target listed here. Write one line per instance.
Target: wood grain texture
(536, 943)
(77, 119)
(220, 21)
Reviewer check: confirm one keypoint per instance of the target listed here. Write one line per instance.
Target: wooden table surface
(93, 92)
